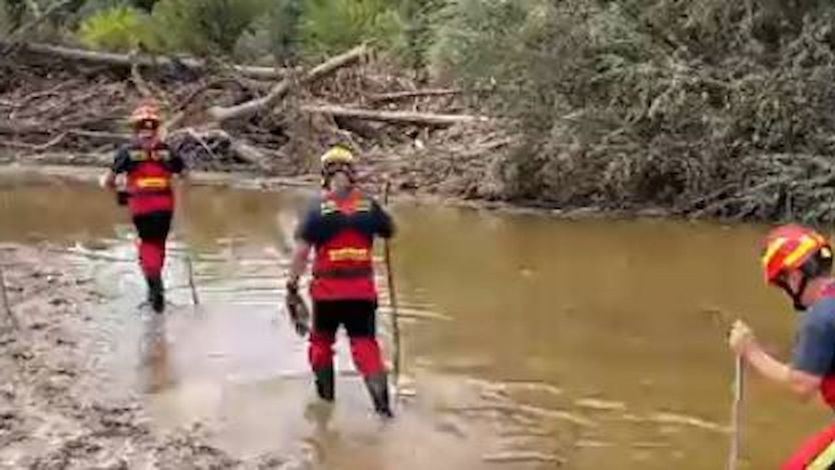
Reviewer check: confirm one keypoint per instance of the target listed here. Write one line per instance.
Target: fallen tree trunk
(251, 107)
(127, 60)
(395, 117)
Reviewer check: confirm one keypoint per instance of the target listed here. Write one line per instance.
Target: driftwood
(251, 107)
(402, 95)
(394, 117)
(127, 60)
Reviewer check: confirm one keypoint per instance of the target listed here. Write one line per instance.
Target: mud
(53, 412)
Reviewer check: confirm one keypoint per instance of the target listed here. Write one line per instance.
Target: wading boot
(378, 389)
(324, 383)
(156, 294)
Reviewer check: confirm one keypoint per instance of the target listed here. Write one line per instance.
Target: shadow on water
(529, 342)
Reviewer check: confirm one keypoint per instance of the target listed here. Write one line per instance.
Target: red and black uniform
(149, 167)
(815, 354)
(342, 231)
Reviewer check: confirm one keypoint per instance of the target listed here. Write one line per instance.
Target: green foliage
(205, 26)
(478, 37)
(6, 23)
(275, 33)
(624, 102)
(119, 28)
(330, 26)
(421, 18)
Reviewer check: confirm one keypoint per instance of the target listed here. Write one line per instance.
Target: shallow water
(528, 341)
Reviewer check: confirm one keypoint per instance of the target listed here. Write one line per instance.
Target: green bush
(330, 26)
(119, 28)
(5, 19)
(274, 34)
(205, 27)
(630, 102)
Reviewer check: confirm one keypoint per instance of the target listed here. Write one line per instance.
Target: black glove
(122, 197)
(298, 311)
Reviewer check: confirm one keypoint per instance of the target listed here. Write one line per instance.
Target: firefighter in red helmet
(798, 260)
(149, 166)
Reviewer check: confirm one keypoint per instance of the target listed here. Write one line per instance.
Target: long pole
(191, 284)
(5, 298)
(395, 325)
(736, 413)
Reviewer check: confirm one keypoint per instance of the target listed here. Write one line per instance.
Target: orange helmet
(789, 247)
(147, 111)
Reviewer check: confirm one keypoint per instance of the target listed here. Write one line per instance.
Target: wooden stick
(401, 95)
(191, 284)
(5, 299)
(736, 413)
(395, 324)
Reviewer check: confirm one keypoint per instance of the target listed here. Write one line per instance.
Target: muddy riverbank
(54, 413)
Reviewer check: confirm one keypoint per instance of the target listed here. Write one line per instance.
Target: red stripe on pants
(152, 256)
(810, 449)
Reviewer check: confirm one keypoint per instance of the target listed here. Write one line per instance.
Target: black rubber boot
(378, 389)
(325, 383)
(156, 294)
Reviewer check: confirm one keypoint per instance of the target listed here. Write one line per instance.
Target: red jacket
(342, 233)
(149, 168)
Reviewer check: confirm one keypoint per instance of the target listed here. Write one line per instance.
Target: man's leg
(320, 352)
(360, 321)
(153, 231)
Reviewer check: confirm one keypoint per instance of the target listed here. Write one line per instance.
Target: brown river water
(528, 341)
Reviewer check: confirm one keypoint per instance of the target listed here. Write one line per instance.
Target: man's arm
(305, 238)
(121, 164)
(176, 164)
(384, 225)
(812, 358)
(298, 264)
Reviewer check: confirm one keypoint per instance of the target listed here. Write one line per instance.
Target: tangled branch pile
(632, 103)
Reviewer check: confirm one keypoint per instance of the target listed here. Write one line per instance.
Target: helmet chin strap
(796, 296)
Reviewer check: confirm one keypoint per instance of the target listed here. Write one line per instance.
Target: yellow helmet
(337, 154)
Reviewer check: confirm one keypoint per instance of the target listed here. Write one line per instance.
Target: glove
(297, 310)
(122, 197)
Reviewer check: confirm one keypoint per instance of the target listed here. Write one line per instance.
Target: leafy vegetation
(615, 102)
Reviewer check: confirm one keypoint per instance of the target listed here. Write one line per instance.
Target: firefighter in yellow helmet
(340, 227)
(798, 260)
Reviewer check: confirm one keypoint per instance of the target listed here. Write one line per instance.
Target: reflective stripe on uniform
(824, 459)
(152, 183)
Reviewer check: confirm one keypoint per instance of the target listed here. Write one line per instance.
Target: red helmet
(146, 112)
(789, 247)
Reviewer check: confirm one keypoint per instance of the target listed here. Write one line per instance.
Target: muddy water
(528, 341)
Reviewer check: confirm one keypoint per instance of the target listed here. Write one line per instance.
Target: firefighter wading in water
(340, 226)
(798, 260)
(149, 166)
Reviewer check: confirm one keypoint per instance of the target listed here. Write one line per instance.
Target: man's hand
(741, 338)
(108, 180)
(292, 285)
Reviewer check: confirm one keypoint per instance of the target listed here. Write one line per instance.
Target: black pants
(358, 317)
(153, 230)
(153, 225)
